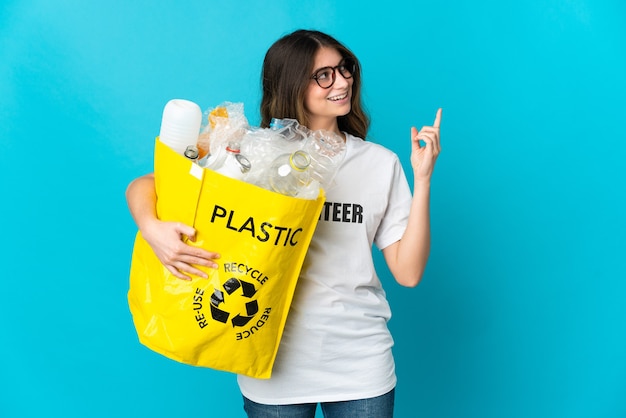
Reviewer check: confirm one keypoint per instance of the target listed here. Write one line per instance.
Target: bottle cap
(300, 160)
(244, 163)
(191, 152)
(276, 124)
(233, 147)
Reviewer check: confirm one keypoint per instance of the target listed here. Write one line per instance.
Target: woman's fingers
(430, 138)
(437, 122)
(176, 272)
(181, 268)
(185, 230)
(198, 260)
(426, 147)
(180, 258)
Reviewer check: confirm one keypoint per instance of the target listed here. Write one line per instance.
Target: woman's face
(323, 106)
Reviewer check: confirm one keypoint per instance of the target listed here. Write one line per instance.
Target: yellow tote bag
(232, 321)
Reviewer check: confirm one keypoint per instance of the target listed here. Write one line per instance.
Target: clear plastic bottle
(233, 163)
(289, 173)
(290, 129)
(327, 150)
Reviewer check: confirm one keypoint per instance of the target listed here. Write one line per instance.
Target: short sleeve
(395, 219)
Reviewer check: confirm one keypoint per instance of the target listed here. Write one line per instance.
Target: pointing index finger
(437, 119)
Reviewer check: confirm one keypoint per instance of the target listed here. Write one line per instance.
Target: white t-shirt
(336, 345)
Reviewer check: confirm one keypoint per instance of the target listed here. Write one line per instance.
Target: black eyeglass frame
(347, 63)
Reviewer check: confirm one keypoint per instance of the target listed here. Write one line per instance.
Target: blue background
(522, 309)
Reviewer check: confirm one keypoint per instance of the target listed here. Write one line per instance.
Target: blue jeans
(378, 407)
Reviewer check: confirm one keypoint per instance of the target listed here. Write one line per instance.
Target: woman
(336, 347)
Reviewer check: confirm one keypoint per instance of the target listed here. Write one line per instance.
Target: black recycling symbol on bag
(217, 298)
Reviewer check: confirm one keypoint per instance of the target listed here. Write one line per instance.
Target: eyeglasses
(325, 76)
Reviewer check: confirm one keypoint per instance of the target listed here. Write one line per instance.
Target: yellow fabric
(232, 321)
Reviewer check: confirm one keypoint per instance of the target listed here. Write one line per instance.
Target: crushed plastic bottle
(327, 151)
(289, 129)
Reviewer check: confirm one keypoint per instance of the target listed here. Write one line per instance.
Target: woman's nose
(340, 80)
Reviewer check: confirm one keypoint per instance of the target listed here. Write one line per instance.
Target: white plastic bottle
(233, 163)
(180, 124)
